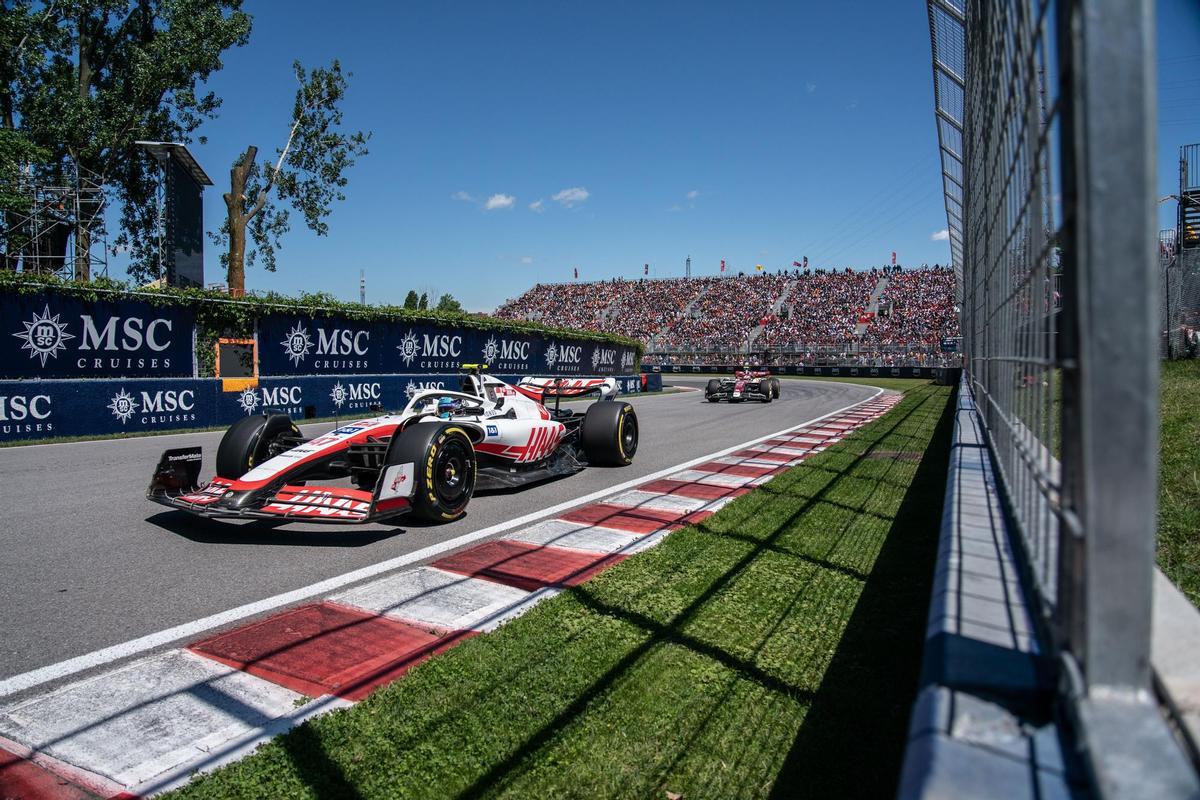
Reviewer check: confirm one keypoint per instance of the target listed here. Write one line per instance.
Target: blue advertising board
(56, 335)
(291, 344)
(45, 409)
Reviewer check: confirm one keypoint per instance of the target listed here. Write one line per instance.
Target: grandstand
(880, 316)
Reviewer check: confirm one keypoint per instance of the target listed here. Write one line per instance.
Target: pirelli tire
(775, 388)
(444, 468)
(712, 392)
(609, 434)
(766, 390)
(247, 442)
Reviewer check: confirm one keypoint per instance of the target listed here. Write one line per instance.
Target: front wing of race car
(175, 484)
(736, 390)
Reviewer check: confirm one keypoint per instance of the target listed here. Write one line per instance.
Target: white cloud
(538, 206)
(940, 236)
(693, 194)
(464, 196)
(810, 87)
(499, 201)
(526, 259)
(572, 196)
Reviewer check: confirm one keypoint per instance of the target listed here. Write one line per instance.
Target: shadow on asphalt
(211, 531)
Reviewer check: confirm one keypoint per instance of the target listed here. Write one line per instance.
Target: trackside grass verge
(772, 651)
(1179, 477)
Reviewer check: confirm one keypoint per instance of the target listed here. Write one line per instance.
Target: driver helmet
(445, 407)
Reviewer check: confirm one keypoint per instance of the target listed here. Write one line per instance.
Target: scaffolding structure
(42, 232)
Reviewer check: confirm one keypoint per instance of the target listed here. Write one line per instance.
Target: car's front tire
(444, 468)
(248, 441)
(712, 392)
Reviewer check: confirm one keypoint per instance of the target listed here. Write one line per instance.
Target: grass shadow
(852, 740)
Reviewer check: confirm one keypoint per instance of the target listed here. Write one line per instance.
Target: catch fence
(1045, 113)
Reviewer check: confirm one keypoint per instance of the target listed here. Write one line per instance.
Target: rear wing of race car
(569, 387)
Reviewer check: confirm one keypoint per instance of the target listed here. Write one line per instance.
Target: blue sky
(757, 133)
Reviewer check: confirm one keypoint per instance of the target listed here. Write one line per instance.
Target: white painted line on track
(142, 644)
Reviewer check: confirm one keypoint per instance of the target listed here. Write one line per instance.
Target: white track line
(107, 655)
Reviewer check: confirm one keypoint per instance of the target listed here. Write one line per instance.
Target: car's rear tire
(712, 392)
(444, 468)
(775, 388)
(609, 433)
(766, 391)
(247, 442)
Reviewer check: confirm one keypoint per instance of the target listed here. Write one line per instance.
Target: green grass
(1179, 477)
(772, 651)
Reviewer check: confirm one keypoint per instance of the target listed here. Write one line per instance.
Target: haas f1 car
(427, 460)
(744, 385)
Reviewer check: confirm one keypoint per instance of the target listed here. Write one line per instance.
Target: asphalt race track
(89, 563)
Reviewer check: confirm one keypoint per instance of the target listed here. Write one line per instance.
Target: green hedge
(219, 316)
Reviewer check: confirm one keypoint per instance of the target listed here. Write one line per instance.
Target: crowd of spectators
(916, 308)
(566, 305)
(725, 314)
(795, 314)
(823, 309)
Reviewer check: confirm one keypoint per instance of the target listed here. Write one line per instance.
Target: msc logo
(134, 334)
(297, 344)
(436, 345)
(44, 336)
(123, 406)
(442, 346)
(603, 357)
(505, 350)
(164, 401)
(269, 397)
(627, 359)
(15, 408)
(564, 354)
(416, 387)
(355, 391)
(168, 400)
(342, 343)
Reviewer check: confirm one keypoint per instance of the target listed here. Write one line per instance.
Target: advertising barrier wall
(293, 344)
(56, 335)
(44, 409)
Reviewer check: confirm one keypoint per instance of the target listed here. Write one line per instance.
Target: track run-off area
(90, 565)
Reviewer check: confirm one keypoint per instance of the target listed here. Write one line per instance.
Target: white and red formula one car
(429, 459)
(746, 384)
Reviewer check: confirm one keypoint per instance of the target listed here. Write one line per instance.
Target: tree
(424, 304)
(308, 175)
(86, 79)
(411, 300)
(447, 303)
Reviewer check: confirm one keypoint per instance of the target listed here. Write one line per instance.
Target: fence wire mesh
(997, 120)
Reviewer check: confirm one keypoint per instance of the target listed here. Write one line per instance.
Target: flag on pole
(645, 269)
(758, 267)
(806, 262)
(796, 264)
(577, 273)
(893, 258)
(722, 265)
